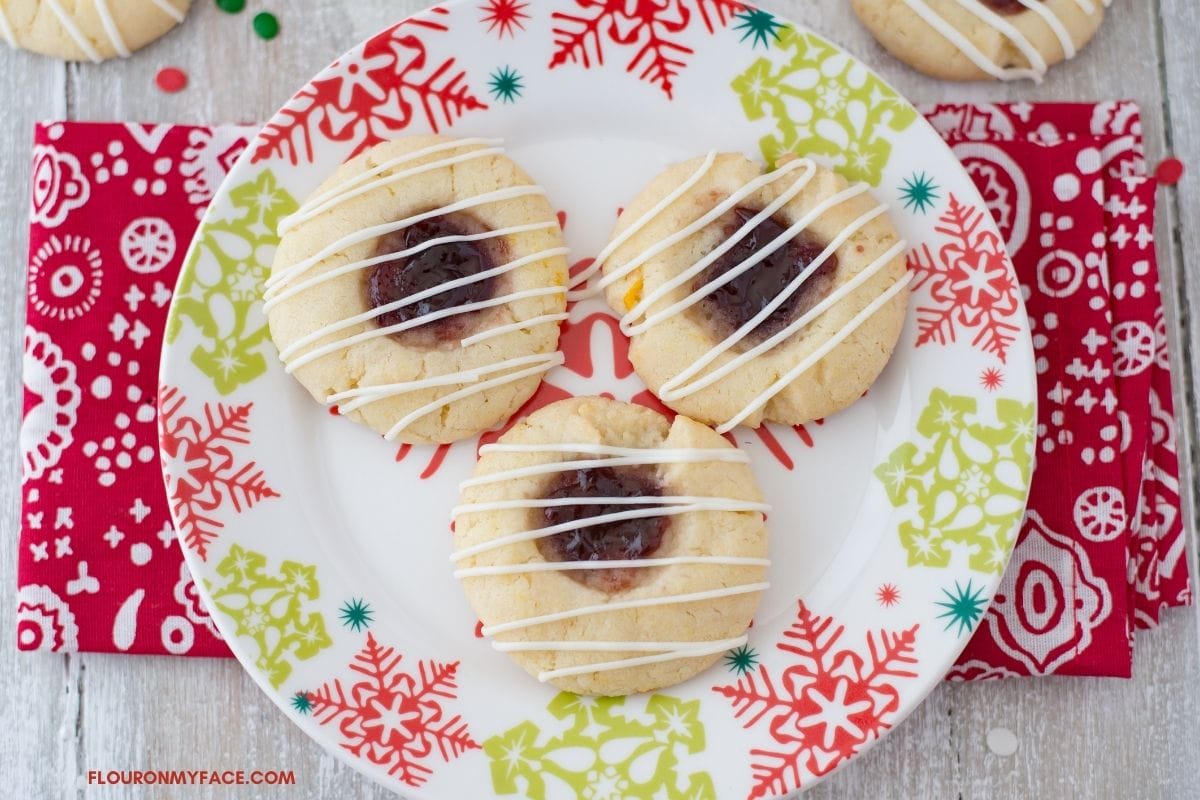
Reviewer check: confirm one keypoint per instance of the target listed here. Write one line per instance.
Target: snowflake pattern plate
(892, 521)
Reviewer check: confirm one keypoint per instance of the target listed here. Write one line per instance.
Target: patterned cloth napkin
(1101, 550)
(114, 207)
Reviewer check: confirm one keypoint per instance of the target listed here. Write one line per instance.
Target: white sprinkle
(1002, 742)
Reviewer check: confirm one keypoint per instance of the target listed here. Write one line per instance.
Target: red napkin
(114, 207)
(1101, 548)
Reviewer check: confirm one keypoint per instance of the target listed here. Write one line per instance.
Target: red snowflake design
(372, 95)
(201, 468)
(970, 284)
(991, 379)
(391, 718)
(887, 595)
(650, 26)
(825, 706)
(504, 16)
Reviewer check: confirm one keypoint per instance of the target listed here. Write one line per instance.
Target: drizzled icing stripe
(642, 458)
(376, 231)
(819, 353)
(1054, 23)
(519, 325)
(672, 390)
(555, 359)
(638, 224)
(559, 502)
(73, 31)
(275, 297)
(716, 504)
(690, 652)
(659, 507)
(364, 395)
(702, 453)
(412, 299)
(640, 563)
(362, 184)
(779, 241)
(622, 605)
(1037, 64)
(110, 28)
(6, 29)
(371, 394)
(676, 387)
(349, 341)
(713, 215)
(598, 646)
(170, 10)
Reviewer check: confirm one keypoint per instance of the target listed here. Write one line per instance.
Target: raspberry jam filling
(434, 266)
(738, 301)
(625, 540)
(1006, 6)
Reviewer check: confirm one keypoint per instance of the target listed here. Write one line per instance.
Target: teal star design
(919, 192)
(505, 84)
(302, 702)
(356, 615)
(964, 606)
(759, 26)
(741, 660)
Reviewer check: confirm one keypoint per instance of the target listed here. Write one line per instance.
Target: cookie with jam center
(88, 30)
(586, 545)
(982, 39)
(420, 289)
(741, 279)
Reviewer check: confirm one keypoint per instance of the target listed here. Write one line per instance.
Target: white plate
(324, 551)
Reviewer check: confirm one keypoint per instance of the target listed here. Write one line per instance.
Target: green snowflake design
(919, 193)
(962, 485)
(823, 103)
(269, 609)
(301, 702)
(222, 284)
(356, 615)
(760, 27)
(601, 748)
(963, 607)
(505, 84)
(742, 660)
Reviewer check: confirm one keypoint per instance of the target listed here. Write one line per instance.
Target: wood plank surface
(1077, 738)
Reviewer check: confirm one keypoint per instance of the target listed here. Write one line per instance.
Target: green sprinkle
(231, 6)
(266, 25)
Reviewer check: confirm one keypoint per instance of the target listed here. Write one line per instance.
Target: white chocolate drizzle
(6, 29)
(1037, 64)
(623, 605)
(73, 31)
(654, 506)
(638, 563)
(673, 652)
(170, 10)
(288, 282)
(110, 28)
(638, 319)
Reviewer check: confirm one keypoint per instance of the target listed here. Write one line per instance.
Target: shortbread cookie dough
(88, 30)
(421, 288)
(645, 599)
(982, 39)
(752, 297)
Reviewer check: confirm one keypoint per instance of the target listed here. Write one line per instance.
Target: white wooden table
(1078, 738)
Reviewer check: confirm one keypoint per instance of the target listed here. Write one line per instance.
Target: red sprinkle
(1169, 172)
(171, 80)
